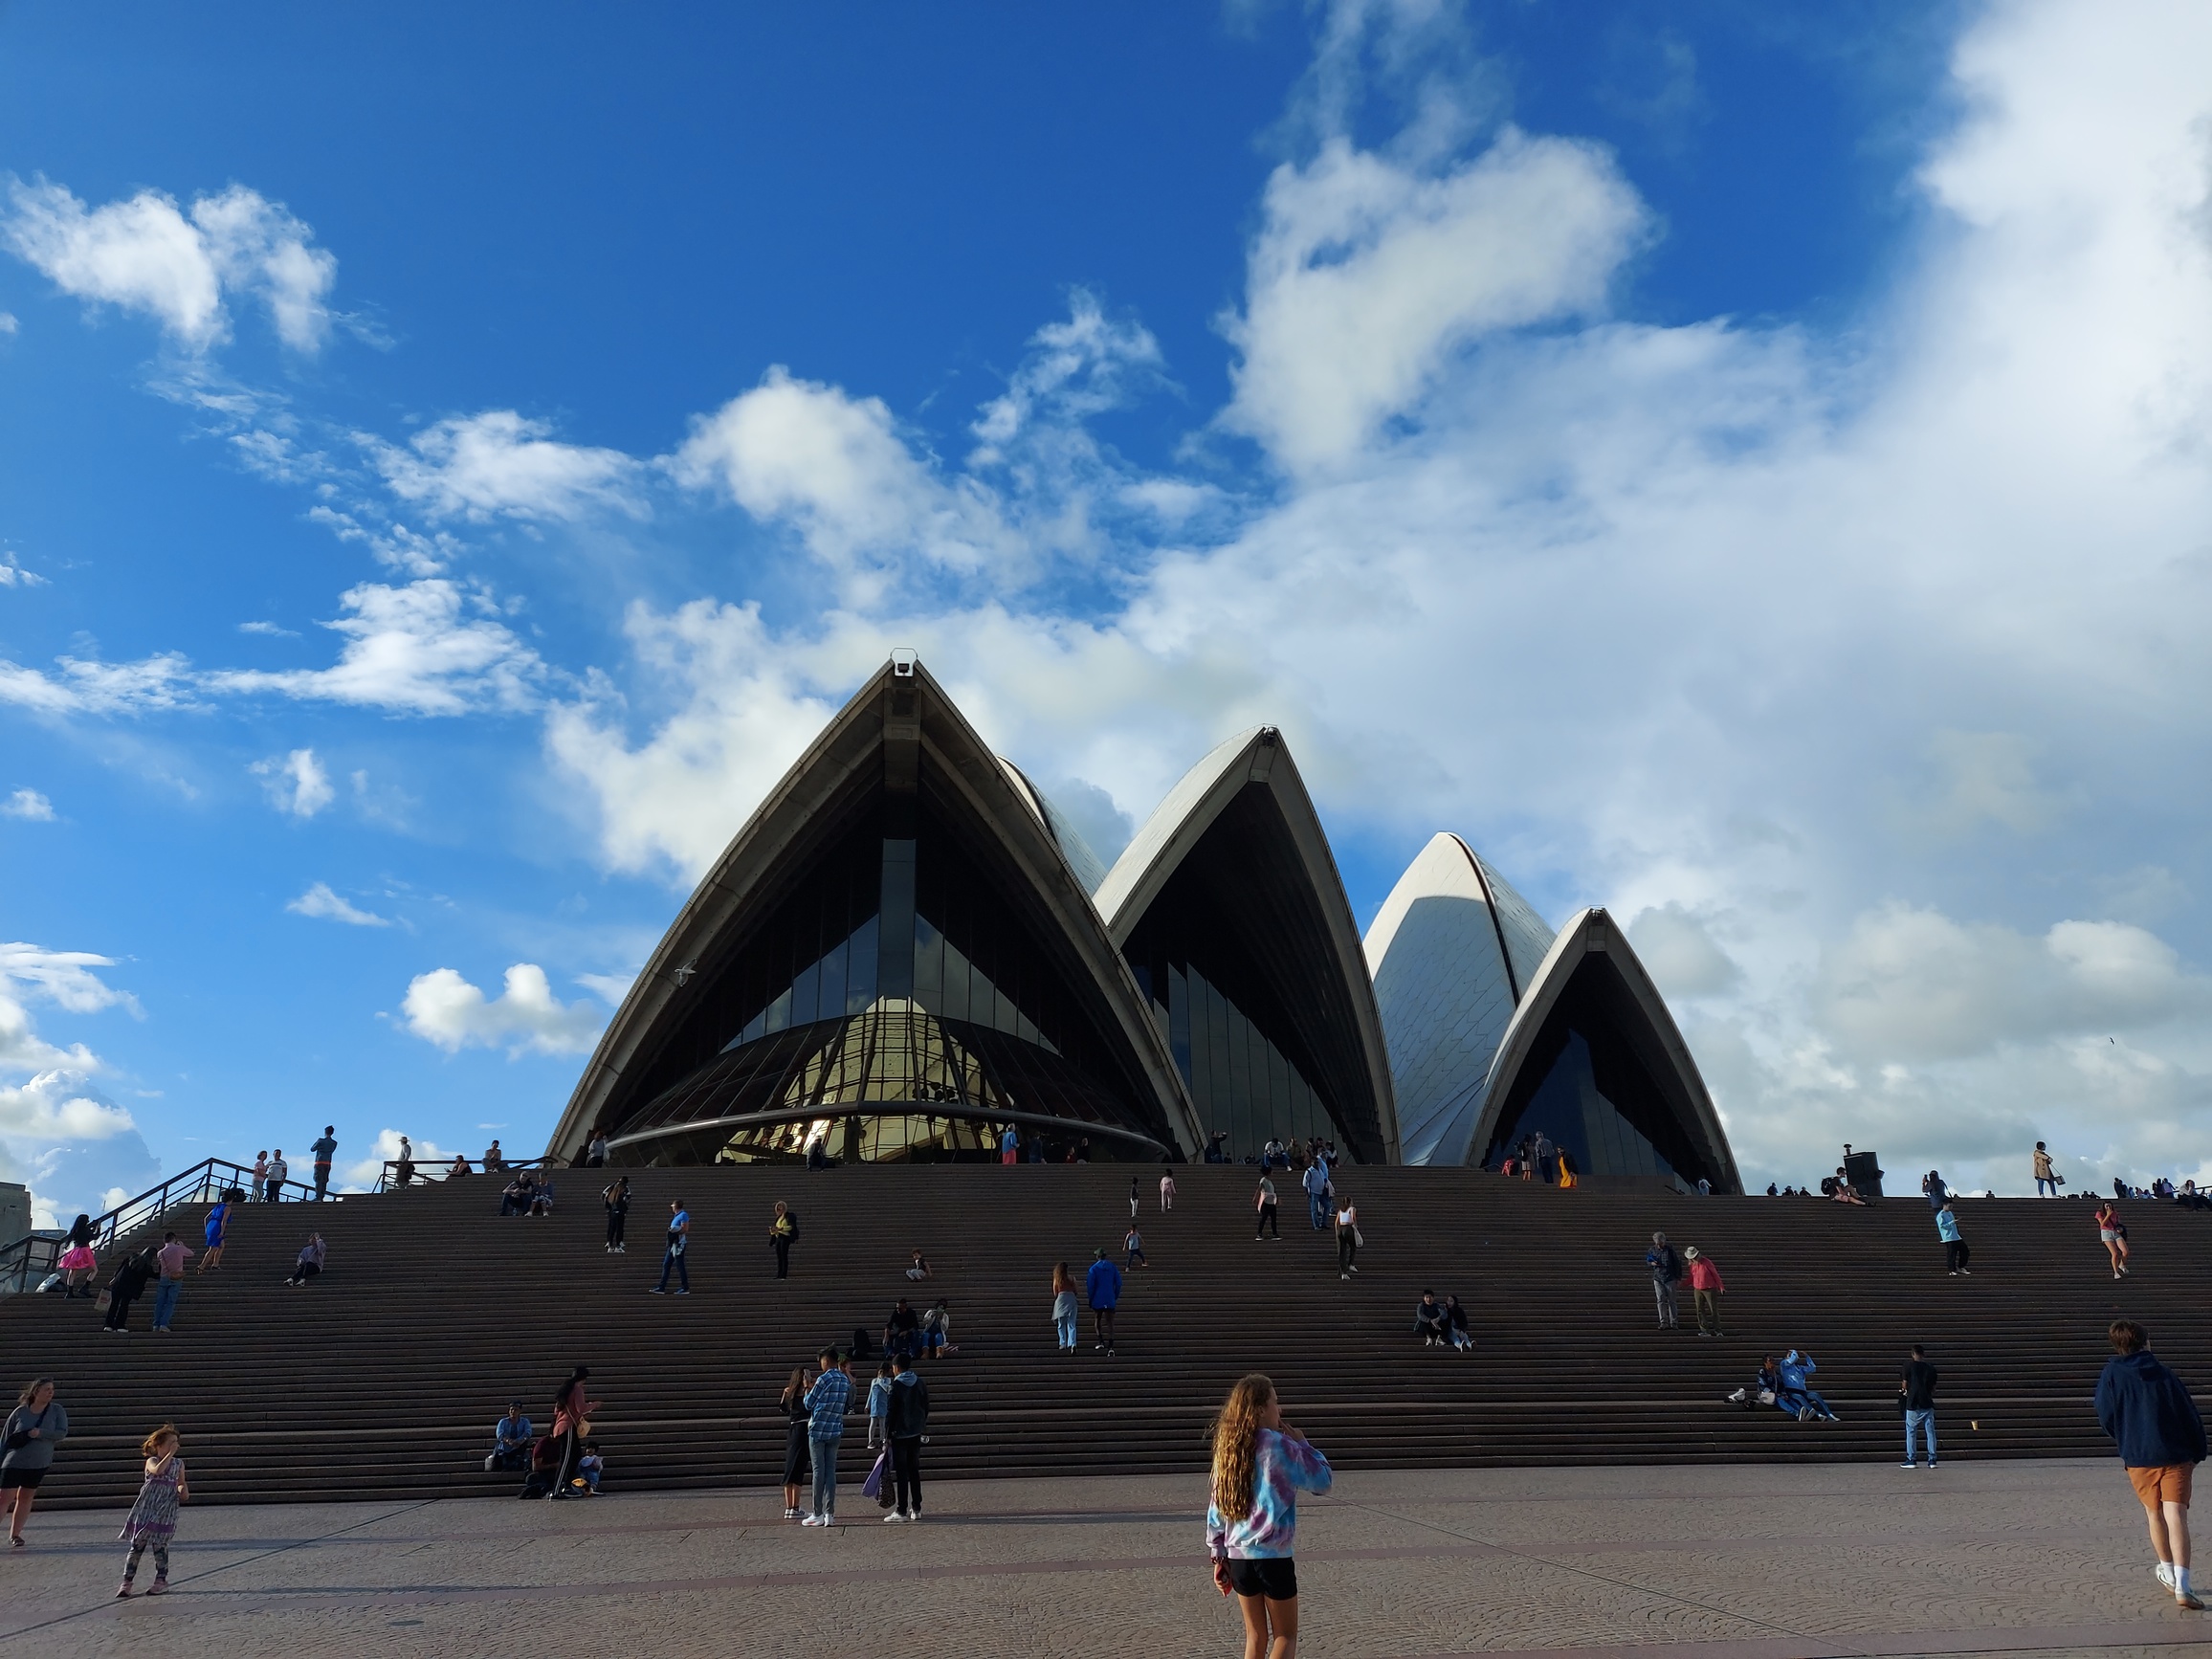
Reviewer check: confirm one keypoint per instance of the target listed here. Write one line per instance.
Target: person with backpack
(1666, 1265)
(782, 1234)
(2153, 1420)
(909, 1421)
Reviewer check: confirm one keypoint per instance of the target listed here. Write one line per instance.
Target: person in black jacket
(909, 1418)
(128, 1286)
(2148, 1412)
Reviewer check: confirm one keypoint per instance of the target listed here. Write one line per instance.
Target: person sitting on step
(1429, 1320)
(918, 1268)
(515, 1197)
(510, 1440)
(541, 1198)
(1455, 1331)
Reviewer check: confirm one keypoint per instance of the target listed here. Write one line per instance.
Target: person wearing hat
(1706, 1287)
(510, 1440)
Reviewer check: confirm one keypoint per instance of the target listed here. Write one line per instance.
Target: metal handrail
(29, 1259)
(387, 1180)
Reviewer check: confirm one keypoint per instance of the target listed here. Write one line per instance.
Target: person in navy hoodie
(1102, 1289)
(2148, 1412)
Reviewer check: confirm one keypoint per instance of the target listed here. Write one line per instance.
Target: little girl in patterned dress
(153, 1518)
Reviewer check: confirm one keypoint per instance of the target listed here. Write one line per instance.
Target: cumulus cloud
(1678, 951)
(298, 783)
(497, 463)
(99, 688)
(149, 255)
(28, 804)
(14, 575)
(444, 1008)
(320, 901)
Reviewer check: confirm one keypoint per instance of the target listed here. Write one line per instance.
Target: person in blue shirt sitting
(510, 1440)
(1796, 1394)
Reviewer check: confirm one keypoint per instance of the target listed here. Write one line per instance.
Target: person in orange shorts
(2148, 1412)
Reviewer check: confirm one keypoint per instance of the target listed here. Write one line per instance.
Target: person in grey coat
(38, 1424)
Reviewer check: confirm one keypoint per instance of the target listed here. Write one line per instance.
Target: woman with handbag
(38, 1424)
(571, 1418)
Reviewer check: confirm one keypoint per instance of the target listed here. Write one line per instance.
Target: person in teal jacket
(1955, 1251)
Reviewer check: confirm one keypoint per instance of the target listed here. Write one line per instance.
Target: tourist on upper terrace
(1166, 1189)
(782, 1234)
(2189, 1197)
(1315, 1181)
(1665, 1264)
(152, 1521)
(1916, 1387)
(1843, 1192)
(1260, 1465)
(1706, 1290)
(615, 1196)
(2046, 1176)
(1955, 1252)
(1265, 1203)
(1348, 1239)
(797, 1469)
(1064, 1312)
(902, 1330)
(325, 1150)
(2151, 1417)
(510, 1439)
(309, 1265)
(1544, 1150)
(1932, 1187)
(79, 1260)
(827, 1402)
(38, 1424)
(918, 1268)
(515, 1197)
(1009, 1145)
(909, 1421)
(2112, 1234)
(1102, 1289)
(260, 1178)
(459, 1166)
(1569, 1176)
(595, 1154)
(494, 1161)
(1429, 1321)
(1796, 1394)
(673, 1257)
(1455, 1331)
(277, 1171)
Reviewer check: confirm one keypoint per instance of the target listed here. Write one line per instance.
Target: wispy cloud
(320, 901)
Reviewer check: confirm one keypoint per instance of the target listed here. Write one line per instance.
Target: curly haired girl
(153, 1518)
(1260, 1464)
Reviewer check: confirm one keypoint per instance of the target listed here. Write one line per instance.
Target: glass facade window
(1570, 1108)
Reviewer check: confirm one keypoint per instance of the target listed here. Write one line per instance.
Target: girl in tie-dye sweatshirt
(1260, 1465)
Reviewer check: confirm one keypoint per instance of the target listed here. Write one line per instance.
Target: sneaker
(620, 1250)
(790, 1514)
(159, 1587)
(1908, 1464)
(816, 1520)
(1109, 1352)
(1355, 1270)
(1967, 1272)
(2163, 1572)
(122, 1590)
(895, 1514)
(913, 1515)
(1345, 1276)
(657, 1290)
(683, 1293)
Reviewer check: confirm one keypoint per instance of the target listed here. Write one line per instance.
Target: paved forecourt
(1743, 1562)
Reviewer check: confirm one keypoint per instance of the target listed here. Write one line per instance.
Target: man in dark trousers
(909, 1419)
(324, 1151)
(2148, 1412)
(1916, 1387)
(1102, 1289)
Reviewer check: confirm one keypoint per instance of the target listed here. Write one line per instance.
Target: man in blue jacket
(1102, 1289)
(2148, 1412)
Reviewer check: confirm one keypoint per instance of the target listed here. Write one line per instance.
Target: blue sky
(1749, 473)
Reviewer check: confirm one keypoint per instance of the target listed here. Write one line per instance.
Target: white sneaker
(894, 1516)
(2164, 1572)
(816, 1520)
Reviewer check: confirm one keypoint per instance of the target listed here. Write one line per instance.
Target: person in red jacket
(1705, 1284)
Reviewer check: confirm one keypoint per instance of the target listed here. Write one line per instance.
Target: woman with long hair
(616, 1197)
(1260, 1465)
(570, 1412)
(38, 1424)
(2112, 1234)
(798, 1455)
(79, 1261)
(1064, 1306)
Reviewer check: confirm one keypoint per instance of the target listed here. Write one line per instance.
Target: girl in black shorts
(1260, 1465)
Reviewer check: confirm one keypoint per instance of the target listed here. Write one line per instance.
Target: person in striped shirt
(1260, 1465)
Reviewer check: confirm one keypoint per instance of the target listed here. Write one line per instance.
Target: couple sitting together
(1441, 1324)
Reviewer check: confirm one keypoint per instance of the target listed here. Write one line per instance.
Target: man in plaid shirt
(827, 1403)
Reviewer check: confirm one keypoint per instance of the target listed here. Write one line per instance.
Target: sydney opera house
(908, 950)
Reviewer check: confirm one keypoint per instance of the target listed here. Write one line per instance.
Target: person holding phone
(1260, 1465)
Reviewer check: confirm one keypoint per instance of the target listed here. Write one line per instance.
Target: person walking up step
(1133, 1198)
(2152, 1419)
(1265, 1203)
(1166, 1189)
(826, 1403)
(678, 1241)
(2112, 1234)
(1916, 1388)
(616, 1197)
(1348, 1239)
(172, 1256)
(1064, 1306)
(1102, 1289)
(909, 1422)
(1955, 1251)
(1666, 1265)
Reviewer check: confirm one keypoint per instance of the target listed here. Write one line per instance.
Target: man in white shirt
(277, 1171)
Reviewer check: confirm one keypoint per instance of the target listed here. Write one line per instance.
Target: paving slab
(1739, 1562)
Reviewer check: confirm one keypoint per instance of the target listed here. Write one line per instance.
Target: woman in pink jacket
(1705, 1283)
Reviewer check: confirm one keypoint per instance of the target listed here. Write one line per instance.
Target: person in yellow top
(782, 1234)
(2046, 1179)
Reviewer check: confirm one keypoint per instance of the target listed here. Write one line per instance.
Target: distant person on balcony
(216, 1231)
(1064, 1312)
(1665, 1264)
(2112, 1234)
(259, 1184)
(38, 1424)
(1429, 1321)
(1102, 1289)
(672, 1258)
(1705, 1290)
(616, 1199)
(782, 1234)
(325, 1150)
(1009, 1146)
(277, 1171)
(1455, 1331)
(1166, 1189)
(309, 1265)
(1266, 1203)
(918, 1268)
(1348, 1239)
(2046, 1176)
(171, 1258)
(1955, 1254)
(2189, 1197)
(510, 1440)
(131, 1276)
(403, 1167)
(2152, 1419)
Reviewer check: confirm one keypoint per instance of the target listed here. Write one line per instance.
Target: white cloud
(268, 629)
(1679, 952)
(444, 1008)
(320, 901)
(1369, 273)
(28, 804)
(432, 646)
(60, 1105)
(496, 463)
(101, 688)
(14, 575)
(63, 977)
(9, 324)
(608, 988)
(298, 784)
(148, 256)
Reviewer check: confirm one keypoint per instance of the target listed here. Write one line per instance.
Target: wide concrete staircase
(385, 1377)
